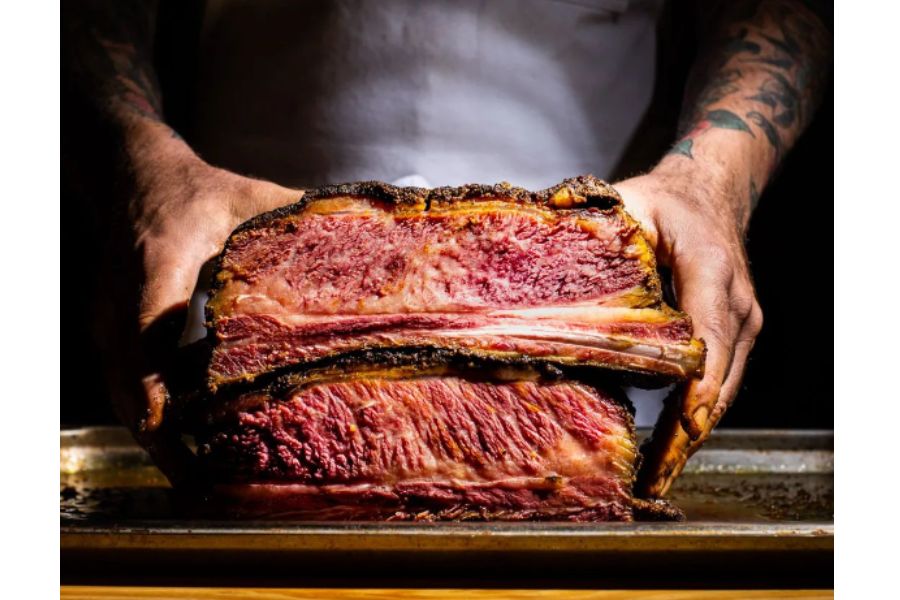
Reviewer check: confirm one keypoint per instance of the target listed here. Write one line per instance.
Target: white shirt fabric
(461, 91)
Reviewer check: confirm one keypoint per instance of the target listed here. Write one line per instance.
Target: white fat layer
(578, 338)
(573, 313)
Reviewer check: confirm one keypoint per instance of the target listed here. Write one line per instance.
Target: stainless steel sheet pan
(759, 490)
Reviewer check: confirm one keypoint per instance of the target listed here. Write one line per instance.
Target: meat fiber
(426, 441)
(401, 353)
(563, 274)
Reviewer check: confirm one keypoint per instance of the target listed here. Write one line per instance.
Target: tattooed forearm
(760, 74)
(132, 84)
(754, 195)
(719, 118)
(768, 129)
(109, 55)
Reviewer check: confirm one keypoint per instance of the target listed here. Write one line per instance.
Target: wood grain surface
(74, 592)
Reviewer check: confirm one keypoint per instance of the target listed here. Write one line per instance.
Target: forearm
(752, 92)
(108, 63)
(115, 100)
(754, 89)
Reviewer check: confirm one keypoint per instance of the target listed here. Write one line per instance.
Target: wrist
(148, 143)
(717, 186)
(156, 168)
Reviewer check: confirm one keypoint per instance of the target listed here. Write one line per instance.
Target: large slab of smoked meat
(402, 353)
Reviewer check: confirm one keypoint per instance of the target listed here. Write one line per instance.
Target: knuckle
(716, 262)
(721, 406)
(718, 257)
(755, 319)
(742, 303)
(717, 327)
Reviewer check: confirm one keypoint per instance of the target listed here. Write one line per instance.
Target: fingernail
(699, 420)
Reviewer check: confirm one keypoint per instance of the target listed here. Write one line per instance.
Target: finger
(665, 453)
(702, 287)
(161, 439)
(158, 343)
(163, 313)
(637, 207)
(732, 381)
(726, 397)
(158, 430)
(256, 196)
(168, 280)
(749, 330)
(140, 399)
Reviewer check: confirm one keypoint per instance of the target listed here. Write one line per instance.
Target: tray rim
(461, 537)
(454, 538)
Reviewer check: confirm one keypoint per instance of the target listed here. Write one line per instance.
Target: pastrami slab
(426, 441)
(402, 353)
(563, 275)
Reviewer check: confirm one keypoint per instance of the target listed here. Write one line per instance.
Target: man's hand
(172, 212)
(753, 89)
(180, 211)
(694, 230)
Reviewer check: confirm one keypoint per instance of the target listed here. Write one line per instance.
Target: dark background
(788, 379)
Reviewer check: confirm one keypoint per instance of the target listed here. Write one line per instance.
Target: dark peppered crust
(472, 365)
(468, 365)
(457, 358)
(597, 193)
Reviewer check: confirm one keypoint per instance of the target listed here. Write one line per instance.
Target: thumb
(258, 196)
(638, 206)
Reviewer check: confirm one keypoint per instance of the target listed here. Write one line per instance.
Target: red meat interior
(490, 276)
(428, 447)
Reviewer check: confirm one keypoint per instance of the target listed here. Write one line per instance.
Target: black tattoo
(110, 55)
(781, 40)
(713, 119)
(722, 85)
(131, 83)
(768, 129)
(683, 147)
(782, 97)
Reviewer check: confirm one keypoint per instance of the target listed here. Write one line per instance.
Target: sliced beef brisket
(401, 353)
(426, 442)
(563, 274)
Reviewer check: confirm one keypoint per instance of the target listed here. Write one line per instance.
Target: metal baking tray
(763, 496)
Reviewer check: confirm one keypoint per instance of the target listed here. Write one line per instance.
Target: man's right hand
(178, 213)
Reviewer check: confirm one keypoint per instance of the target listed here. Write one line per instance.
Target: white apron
(525, 91)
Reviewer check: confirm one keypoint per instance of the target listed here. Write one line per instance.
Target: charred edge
(655, 510)
(472, 367)
(420, 356)
(431, 356)
(466, 364)
(212, 288)
(220, 503)
(601, 202)
(662, 451)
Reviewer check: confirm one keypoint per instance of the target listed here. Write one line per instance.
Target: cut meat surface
(401, 353)
(564, 274)
(640, 340)
(434, 446)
